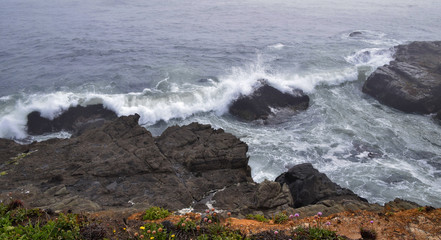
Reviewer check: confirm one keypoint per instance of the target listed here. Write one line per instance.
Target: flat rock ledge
(121, 166)
(412, 82)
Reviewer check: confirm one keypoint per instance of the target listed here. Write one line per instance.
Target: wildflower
(124, 229)
(328, 223)
(276, 232)
(214, 214)
(209, 221)
(114, 231)
(183, 224)
(136, 234)
(296, 215)
(159, 229)
(319, 214)
(212, 209)
(207, 211)
(154, 232)
(372, 221)
(142, 227)
(291, 216)
(152, 237)
(205, 219)
(148, 231)
(173, 236)
(142, 236)
(229, 214)
(198, 227)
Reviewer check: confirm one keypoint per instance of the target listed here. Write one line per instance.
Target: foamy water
(183, 61)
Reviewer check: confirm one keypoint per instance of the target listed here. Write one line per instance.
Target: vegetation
(154, 213)
(17, 222)
(257, 217)
(280, 218)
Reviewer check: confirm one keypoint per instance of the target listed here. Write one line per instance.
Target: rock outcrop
(258, 105)
(314, 192)
(74, 120)
(412, 82)
(121, 165)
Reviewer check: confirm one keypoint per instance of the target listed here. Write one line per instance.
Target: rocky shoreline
(121, 165)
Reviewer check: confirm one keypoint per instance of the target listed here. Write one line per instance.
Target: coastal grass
(257, 217)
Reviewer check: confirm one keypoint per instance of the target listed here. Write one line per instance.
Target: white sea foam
(373, 57)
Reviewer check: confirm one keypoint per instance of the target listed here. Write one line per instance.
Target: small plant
(186, 224)
(154, 231)
(280, 218)
(315, 233)
(257, 217)
(367, 234)
(154, 213)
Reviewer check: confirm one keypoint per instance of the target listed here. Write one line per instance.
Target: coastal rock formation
(412, 82)
(308, 186)
(74, 120)
(121, 165)
(314, 192)
(258, 105)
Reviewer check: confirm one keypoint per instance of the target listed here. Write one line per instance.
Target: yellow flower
(142, 227)
(114, 231)
(173, 236)
(152, 237)
(124, 229)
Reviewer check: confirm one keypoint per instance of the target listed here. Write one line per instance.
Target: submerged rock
(355, 34)
(258, 105)
(74, 120)
(412, 82)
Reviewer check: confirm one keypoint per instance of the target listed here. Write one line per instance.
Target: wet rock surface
(258, 105)
(412, 82)
(74, 120)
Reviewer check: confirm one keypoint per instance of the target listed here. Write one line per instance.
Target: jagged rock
(412, 82)
(74, 120)
(308, 186)
(120, 164)
(258, 105)
(399, 205)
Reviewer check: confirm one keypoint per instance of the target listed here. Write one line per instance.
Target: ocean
(176, 62)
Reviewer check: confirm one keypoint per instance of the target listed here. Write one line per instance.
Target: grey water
(175, 62)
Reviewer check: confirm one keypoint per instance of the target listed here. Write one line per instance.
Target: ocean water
(178, 61)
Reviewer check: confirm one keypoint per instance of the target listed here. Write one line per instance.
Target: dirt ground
(421, 223)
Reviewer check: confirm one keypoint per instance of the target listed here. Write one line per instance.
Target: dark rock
(308, 186)
(75, 120)
(258, 105)
(120, 165)
(355, 34)
(411, 83)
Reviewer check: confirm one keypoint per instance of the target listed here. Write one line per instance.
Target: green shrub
(154, 213)
(257, 217)
(315, 233)
(280, 218)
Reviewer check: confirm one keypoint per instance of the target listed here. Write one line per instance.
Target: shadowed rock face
(308, 186)
(411, 83)
(74, 120)
(258, 105)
